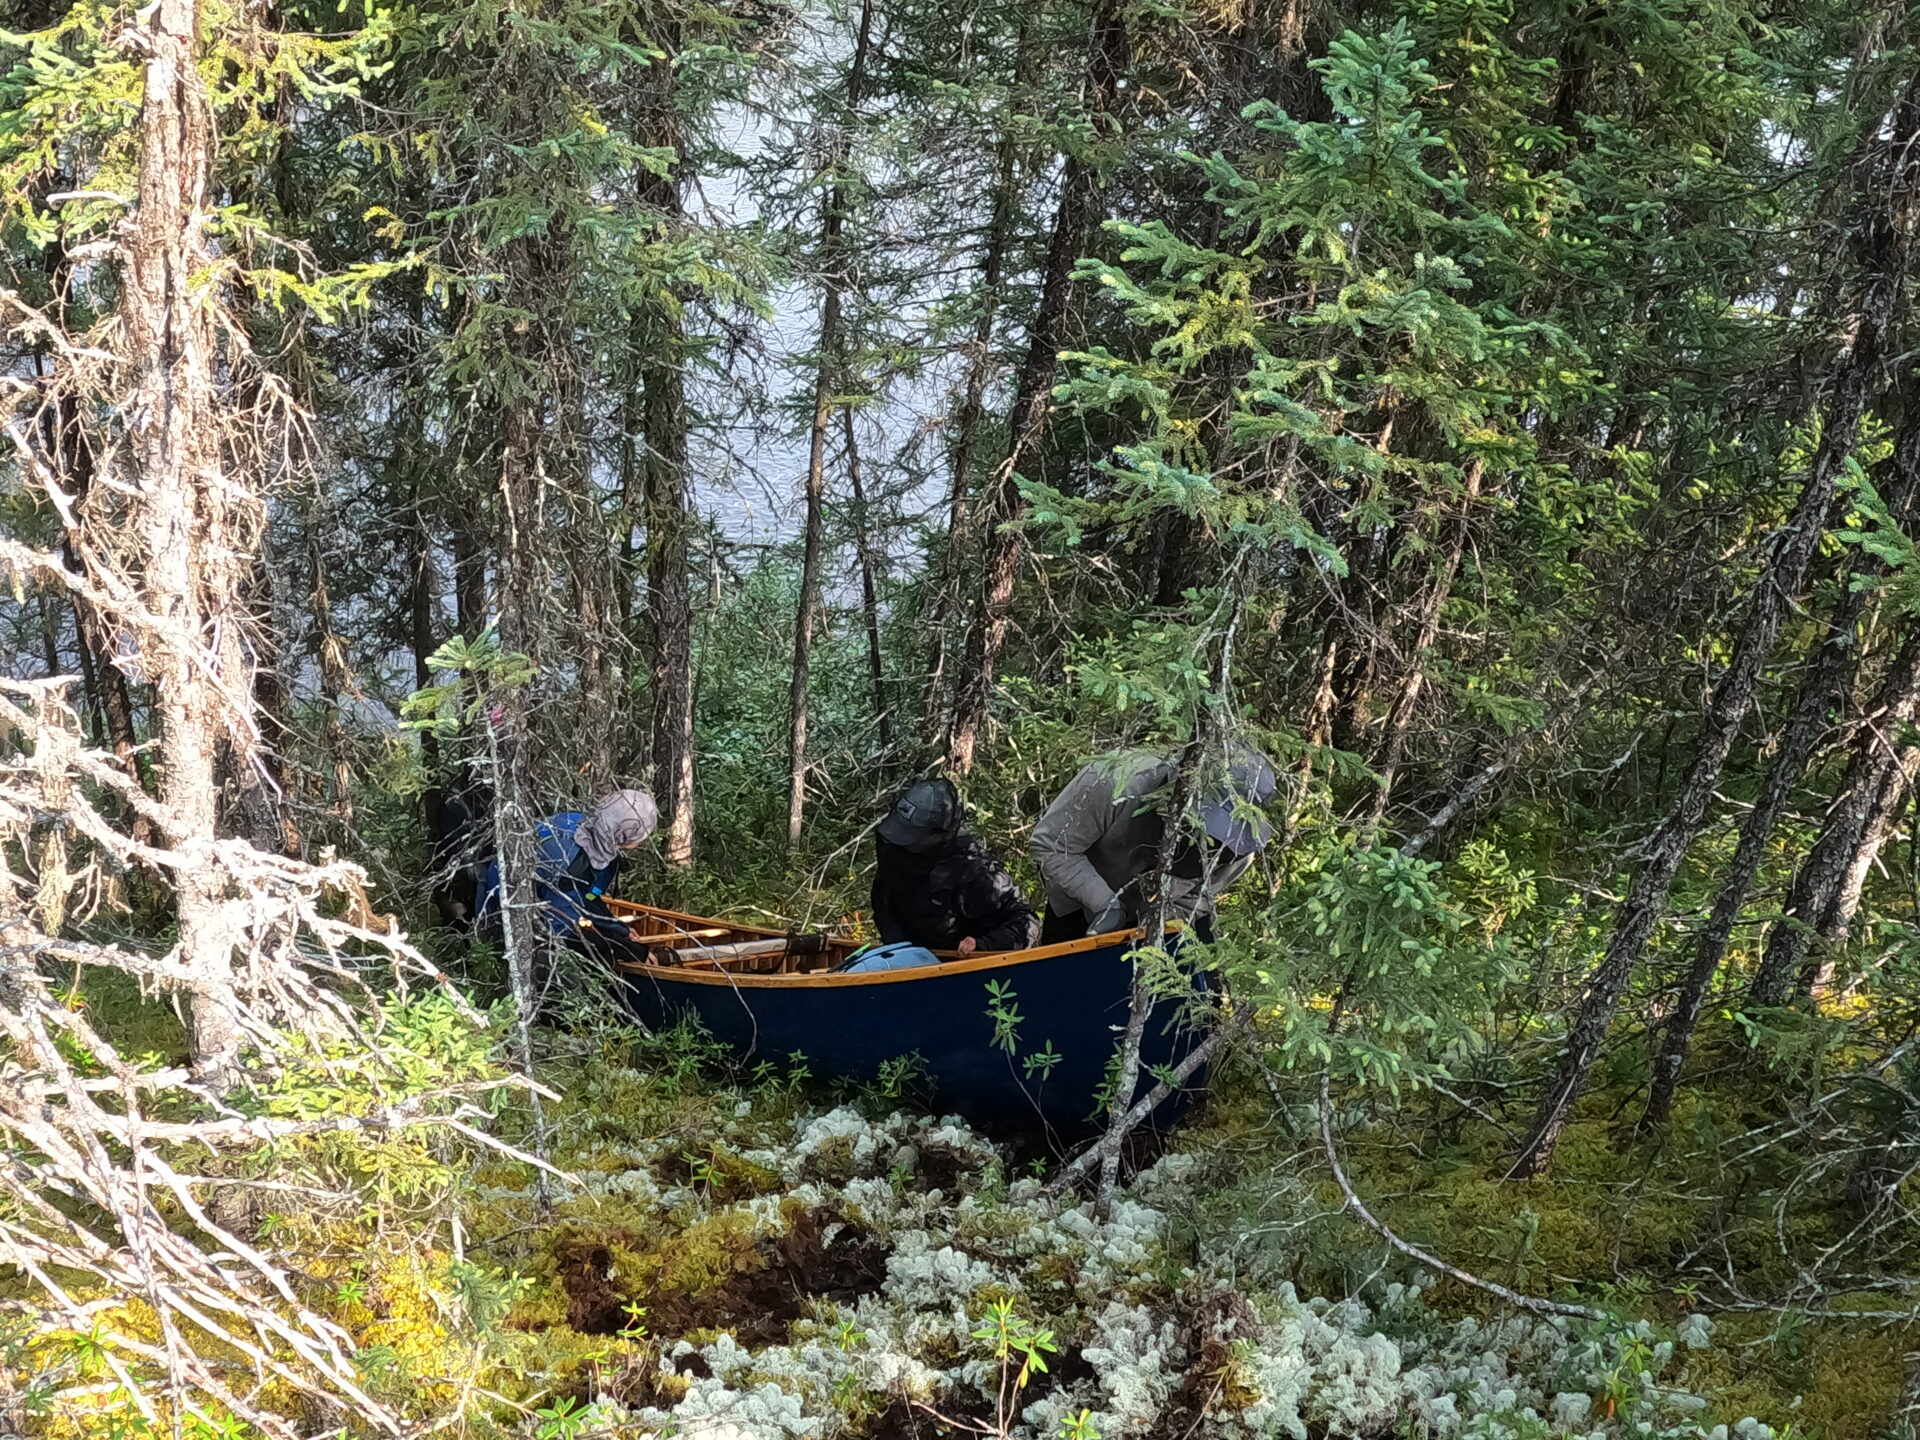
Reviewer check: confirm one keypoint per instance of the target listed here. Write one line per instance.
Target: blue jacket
(566, 883)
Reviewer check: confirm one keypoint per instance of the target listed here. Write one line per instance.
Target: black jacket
(939, 899)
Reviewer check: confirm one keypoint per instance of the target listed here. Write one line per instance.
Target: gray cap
(926, 814)
(1251, 782)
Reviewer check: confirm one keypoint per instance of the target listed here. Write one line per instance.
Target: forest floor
(762, 1258)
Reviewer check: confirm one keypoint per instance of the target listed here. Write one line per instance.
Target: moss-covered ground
(760, 1257)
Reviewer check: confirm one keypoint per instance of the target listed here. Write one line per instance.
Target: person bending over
(1098, 843)
(936, 886)
(577, 859)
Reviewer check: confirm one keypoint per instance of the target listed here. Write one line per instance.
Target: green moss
(1620, 1221)
(709, 1253)
(1830, 1380)
(833, 1161)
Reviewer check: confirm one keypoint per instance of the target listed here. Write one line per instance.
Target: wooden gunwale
(951, 963)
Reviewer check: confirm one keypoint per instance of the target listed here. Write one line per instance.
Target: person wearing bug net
(578, 856)
(1099, 842)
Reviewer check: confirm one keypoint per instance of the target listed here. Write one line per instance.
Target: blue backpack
(898, 956)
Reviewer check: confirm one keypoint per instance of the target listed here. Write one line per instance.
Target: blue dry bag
(897, 956)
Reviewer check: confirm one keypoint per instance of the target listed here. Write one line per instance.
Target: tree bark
(1829, 682)
(469, 571)
(335, 678)
(664, 498)
(869, 597)
(1826, 886)
(1810, 714)
(89, 681)
(809, 575)
(670, 606)
(1886, 185)
(831, 371)
(193, 525)
(1002, 545)
(50, 627)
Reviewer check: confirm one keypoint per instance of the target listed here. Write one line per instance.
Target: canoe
(793, 1008)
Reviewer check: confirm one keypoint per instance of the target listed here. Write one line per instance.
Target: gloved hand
(1114, 917)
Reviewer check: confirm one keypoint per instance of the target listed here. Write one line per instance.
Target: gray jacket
(1102, 834)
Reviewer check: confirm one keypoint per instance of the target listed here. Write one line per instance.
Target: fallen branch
(1084, 1162)
(1366, 1217)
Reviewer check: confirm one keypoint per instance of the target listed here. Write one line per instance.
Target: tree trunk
(1887, 184)
(1885, 240)
(469, 571)
(73, 458)
(869, 598)
(1780, 581)
(1400, 713)
(504, 720)
(1895, 784)
(1830, 681)
(670, 606)
(420, 640)
(50, 627)
(1826, 887)
(71, 449)
(809, 574)
(335, 678)
(664, 500)
(1001, 543)
(1823, 687)
(193, 525)
(972, 411)
(832, 369)
(89, 681)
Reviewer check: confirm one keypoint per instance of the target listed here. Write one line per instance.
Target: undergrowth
(750, 1255)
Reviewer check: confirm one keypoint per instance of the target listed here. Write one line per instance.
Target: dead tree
(107, 1198)
(194, 523)
(663, 482)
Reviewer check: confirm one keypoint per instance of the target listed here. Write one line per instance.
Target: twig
(1433, 1262)
(1471, 791)
(1082, 1163)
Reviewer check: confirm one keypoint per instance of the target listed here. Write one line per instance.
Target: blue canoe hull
(1072, 1000)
